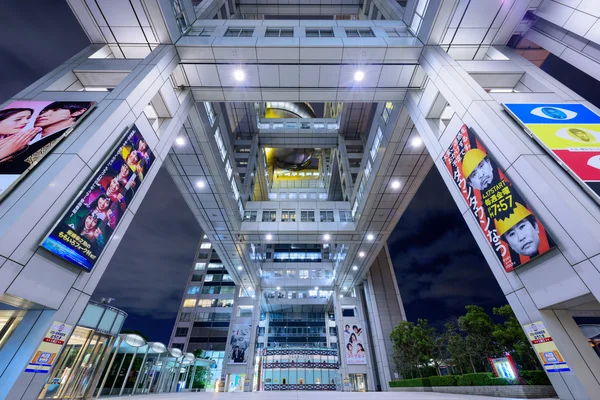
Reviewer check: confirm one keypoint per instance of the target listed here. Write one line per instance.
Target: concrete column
(563, 280)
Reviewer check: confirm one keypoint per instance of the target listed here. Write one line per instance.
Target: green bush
(416, 382)
(535, 377)
(448, 380)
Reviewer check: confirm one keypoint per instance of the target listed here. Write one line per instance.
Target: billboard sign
(354, 343)
(29, 130)
(83, 231)
(545, 348)
(239, 344)
(509, 224)
(47, 352)
(568, 132)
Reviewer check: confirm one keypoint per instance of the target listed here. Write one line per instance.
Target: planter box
(511, 391)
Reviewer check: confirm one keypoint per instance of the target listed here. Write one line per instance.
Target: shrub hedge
(477, 379)
(416, 382)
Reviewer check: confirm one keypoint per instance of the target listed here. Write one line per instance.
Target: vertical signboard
(46, 354)
(239, 344)
(570, 133)
(545, 348)
(28, 132)
(354, 343)
(83, 231)
(509, 224)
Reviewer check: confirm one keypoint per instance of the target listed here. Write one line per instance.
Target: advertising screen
(83, 231)
(354, 343)
(29, 130)
(509, 224)
(568, 132)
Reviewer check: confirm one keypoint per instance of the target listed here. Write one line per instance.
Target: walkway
(307, 395)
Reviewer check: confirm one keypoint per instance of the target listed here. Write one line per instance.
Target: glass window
(303, 274)
(360, 32)
(279, 32)
(209, 278)
(291, 274)
(227, 289)
(288, 216)
(199, 266)
(215, 266)
(206, 303)
(205, 245)
(220, 144)
(269, 216)
(326, 215)
(193, 290)
(345, 216)
(191, 303)
(376, 143)
(185, 317)
(307, 216)
(228, 169)
(368, 169)
(239, 32)
(179, 332)
(210, 112)
(387, 111)
(202, 31)
(319, 32)
(250, 216)
(236, 193)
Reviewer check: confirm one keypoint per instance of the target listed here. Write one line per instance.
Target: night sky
(438, 265)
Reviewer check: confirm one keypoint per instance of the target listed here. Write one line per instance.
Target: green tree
(456, 348)
(512, 339)
(426, 337)
(405, 349)
(478, 328)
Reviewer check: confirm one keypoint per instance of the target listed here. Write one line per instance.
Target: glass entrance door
(358, 382)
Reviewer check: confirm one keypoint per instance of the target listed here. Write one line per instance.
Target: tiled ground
(312, 396)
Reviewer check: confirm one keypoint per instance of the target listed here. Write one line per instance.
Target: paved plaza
(308, 395)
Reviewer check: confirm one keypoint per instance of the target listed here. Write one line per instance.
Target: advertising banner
(29, 130)
(545, 348)
(509, 224)
(568, 132)
(45, 356)
(82, 232)
(354, 344)
(239, 344)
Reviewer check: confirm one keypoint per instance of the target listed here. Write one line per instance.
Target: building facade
(298, 134)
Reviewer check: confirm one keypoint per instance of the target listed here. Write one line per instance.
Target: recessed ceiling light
(355, 268)
(358, 76)
(361, 254)
(416, 141)
(326, 236)
(370, 236)
(253, 296)
(395, 184)
(268, 236)
(341, 295)
(240, 267)
(200, 184)
(239, 75)
(278, 288)
(316, 288)
(345, 287)
(180, 141)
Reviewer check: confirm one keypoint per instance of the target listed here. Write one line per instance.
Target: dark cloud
(438, 265)
(149, 271)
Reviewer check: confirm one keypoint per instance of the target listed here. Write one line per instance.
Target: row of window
(204, 316)
(298, 294)
(295, 331)
(289, 32)
(205, 303)
(202, 265)
(290, 216)
(211, 290)
(301, 274)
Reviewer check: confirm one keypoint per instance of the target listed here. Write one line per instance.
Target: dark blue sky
(438, 265)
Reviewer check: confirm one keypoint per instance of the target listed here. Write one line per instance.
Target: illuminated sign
(84, 230)
(568, 132)
(47, 352)
(545, 348)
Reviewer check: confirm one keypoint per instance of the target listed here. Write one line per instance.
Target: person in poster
(504, 217)
(239, 342)
(29, 130)
(355, 349)
(81, 235)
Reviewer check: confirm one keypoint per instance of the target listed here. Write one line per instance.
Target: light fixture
(358, 76)
(278, 288)
(200, 184)
(253, 296)
(180, 141)
(370, 236)
(341, 295)
(316, 288)
(361, 254)
(345, 287)
(395, 184)
(239, 75)
(354, 268)
(416, 142)
(268, 236)
(326, 236)
(240, 267)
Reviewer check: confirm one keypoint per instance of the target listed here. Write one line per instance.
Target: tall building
(298, 134)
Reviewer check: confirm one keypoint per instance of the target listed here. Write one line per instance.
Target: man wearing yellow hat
(478, 169)
(520, 230)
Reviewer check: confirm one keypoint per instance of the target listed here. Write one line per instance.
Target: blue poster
(533, 113)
